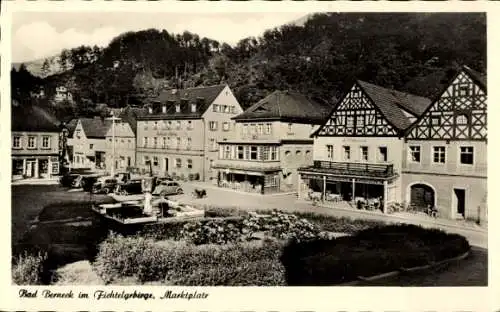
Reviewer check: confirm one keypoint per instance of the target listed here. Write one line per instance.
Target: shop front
(249, 181)
(25, 167)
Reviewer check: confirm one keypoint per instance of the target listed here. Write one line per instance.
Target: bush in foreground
(180, 263)
(370, 252)
(29, 269)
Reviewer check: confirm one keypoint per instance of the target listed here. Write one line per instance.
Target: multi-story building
(445, 158)
(358, 150)
(179, 133)
(91, 144)
(272, 141)
(62, 94)
(124, 147)
(35, 143)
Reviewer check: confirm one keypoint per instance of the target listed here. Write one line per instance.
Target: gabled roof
(286, 106)
(203, 97)
(478, 77)
(33, 118)
(122, 129)
(392, 104)
(95, 128)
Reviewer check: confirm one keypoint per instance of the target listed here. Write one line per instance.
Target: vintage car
(131, 187)
(67, 179)
(104, 185)
(168, 187)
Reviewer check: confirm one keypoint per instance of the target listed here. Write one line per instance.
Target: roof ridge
(393, 90)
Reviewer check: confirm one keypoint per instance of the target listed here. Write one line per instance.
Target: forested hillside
(409, 52)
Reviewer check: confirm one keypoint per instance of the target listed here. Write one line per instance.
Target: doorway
(422, 196)
(459, 200)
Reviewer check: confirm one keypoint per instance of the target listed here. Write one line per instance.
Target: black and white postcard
(225, 156)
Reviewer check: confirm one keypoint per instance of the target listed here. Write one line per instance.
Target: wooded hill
(409, 52)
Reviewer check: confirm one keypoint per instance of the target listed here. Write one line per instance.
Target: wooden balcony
(351, 169)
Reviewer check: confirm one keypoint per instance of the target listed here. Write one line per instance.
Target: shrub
(214, 231)
(370, 252)
(216, 211)
(179, 263)
(29, 269)
(336, 224)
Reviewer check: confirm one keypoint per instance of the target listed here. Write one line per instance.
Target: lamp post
(113, 119)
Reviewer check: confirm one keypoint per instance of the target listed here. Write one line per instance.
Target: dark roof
(131, 114)
(95, 128)
(287, 106)
(71, 125)
(203, 97)
(478, 77)
(392, 104)
(33, 118)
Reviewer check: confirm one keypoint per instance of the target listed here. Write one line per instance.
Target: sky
(37, 35)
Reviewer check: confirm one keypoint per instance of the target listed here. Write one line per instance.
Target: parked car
(131, 187)
(87, 182)
(168, 188)
(104, 185)
(67, 179)
(122, 177)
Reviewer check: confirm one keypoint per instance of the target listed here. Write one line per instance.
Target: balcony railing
(352, 169)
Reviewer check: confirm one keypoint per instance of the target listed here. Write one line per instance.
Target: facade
(358, 149)
(445, 151)
(272, 141)
(62, 94)
(35, 143)
(124, 147)
(178, 135)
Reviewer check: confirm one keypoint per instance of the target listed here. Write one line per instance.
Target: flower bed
(370, 252)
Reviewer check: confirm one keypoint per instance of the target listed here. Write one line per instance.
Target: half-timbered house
(358, 150)
(444, 163)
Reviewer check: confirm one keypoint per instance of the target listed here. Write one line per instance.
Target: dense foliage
(407, 51)
(29, 269)
(369, 252)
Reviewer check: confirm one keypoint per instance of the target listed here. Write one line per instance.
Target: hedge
(369, 252)
(179, 263)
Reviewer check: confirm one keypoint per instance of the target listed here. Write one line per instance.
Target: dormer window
(150, 110)
(463, 90)
(193, 108)
(462, 119)
(164, 108)
(435, 120)
(177, 108)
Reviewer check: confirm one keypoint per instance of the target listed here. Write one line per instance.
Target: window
(240, 152)
(290, 125)
(215, 107)
(274, 153)
(382, 152)
(227, 152)
(435, 120)
(31, 142)
(415, 153)
(212, 125)
(364, 153)
(360, 120)
(145, 142)
(78, 133)
(164, 144)
(155, 126)
(287, 153)
(467, 155)
(155, 161)
(264, 155)
(178, 162)
(225, 126)
(155, 141)
(233, 109)
(260, 129)
(463, 90)
(190, 125)
(145, 159)
(253, 152)
(253, 128)
(91, 146)
(439, 154)
(178, 124)
(16, 142)
(462, 120)
(268, 128)
(55, 168)
(329, 151)
(177, 108)
(178, 143)
(46, 142)
(188, 143)
(213, 144)
(145, 125)
(347, 152)
(169, 125)
(190, 164)
(350, 121)
(298, 153)
(193, 108)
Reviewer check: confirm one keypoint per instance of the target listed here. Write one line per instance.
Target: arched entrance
(422, 195)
